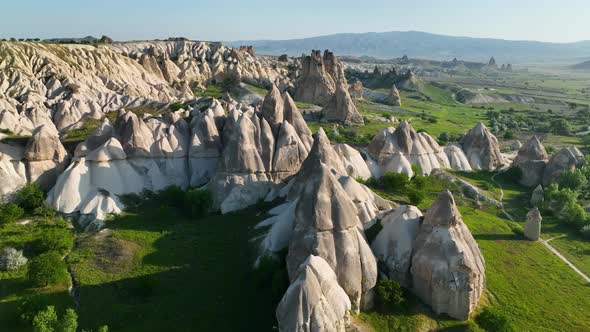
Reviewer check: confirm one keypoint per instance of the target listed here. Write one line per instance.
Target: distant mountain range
(424, 45)
(582, 66)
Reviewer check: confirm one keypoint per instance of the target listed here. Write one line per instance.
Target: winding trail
(545, 242)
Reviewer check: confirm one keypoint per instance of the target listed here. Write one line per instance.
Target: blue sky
(544, 20)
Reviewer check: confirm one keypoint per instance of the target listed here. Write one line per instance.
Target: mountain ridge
(418, 44)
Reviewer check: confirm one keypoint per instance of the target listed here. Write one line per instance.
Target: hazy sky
(544, 20)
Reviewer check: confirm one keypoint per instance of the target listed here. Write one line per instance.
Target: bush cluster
(194, 202)
(10, 213)
(491, 320)
(47, 268)
(389, 293)
(30, 197)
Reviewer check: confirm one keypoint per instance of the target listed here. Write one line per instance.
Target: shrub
(198, 201)
(574, 180)
(53, 238)
(389, 293)
(30, 197)
(508, 135)
(416, 196)
(419, 181)
(47, 320)
(493, 321)
(47, 268)
(561, 127)
(10, 213)
(171, 196)
(12, 259)
(44, 211)
(176, 106)
(394, 181)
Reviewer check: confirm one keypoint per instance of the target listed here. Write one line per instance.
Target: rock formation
(447, 270)
(352, 161)
(532, 227)
(394, 97)
(566, 159)
(531, 159)
(394, 244)
(482, 149)
(538, 196)
(397, 149)
(340, 108)
(45, 157)
(326, 225)
(314, 301)
(516, 145)
(457, 158)
(315, 85)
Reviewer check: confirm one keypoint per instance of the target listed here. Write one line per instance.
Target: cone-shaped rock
(46, 157)
(531, 159)
(273, 108)
(394, 97)
(482, 149)
(447, 270)
(295, 118)
(314, 301)
(326, 225)
(341, 108)
(566, 159)
(315, 85)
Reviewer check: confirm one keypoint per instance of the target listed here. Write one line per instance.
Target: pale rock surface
(532, 227)
(394, 97)
(531, 159)
(45, 157)
(356, 90)
(326, 225)
(314, 301)
(340, 108)
(482, 149)
(353, 161)
(316, 85)
(448, 271)
(12, 170)
(395, 149)
(566, 159)
(394, 244)
(457, 159)
(538, 196)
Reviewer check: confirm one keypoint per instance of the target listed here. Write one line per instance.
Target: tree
(394, 181)
(30, 197)
(389, 293)
(198, 201)
(53, 238)
(69, 322)
(416, 196)
(47, 268)
(574, 180)
(45, 320)
(561, 127)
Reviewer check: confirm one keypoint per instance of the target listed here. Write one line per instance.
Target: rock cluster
(322, 82)
(437, 257)
(394, 97)
(566, 159)
(397, 149)
(482, 149)
(356, 90)
(538, 196)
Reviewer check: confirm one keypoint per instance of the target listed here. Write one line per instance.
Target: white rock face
(447, 270)
(326, 225)
(45, 157)
(353, 161)
(12, 170)
(538, 196)
(482, 149)
(532, 227)
(314, 301)
(395, 150)
(457, 158)
(394, 244)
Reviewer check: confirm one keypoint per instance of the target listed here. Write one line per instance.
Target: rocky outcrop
(341, 108)
(326, 225)
(314, 301)
(394, 245)
(447, 269)
(566, 159)
(397, 149)
(457, 158)
(538, 196)
(45, 157)
(482, 149)
(532, 227)
(394, 97)
(353, 161)
(12, 169)
(316, 85)
(531, 159)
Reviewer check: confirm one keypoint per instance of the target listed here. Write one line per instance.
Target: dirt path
(545, 242)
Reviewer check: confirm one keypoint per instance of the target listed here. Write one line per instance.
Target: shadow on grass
(196, 276)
